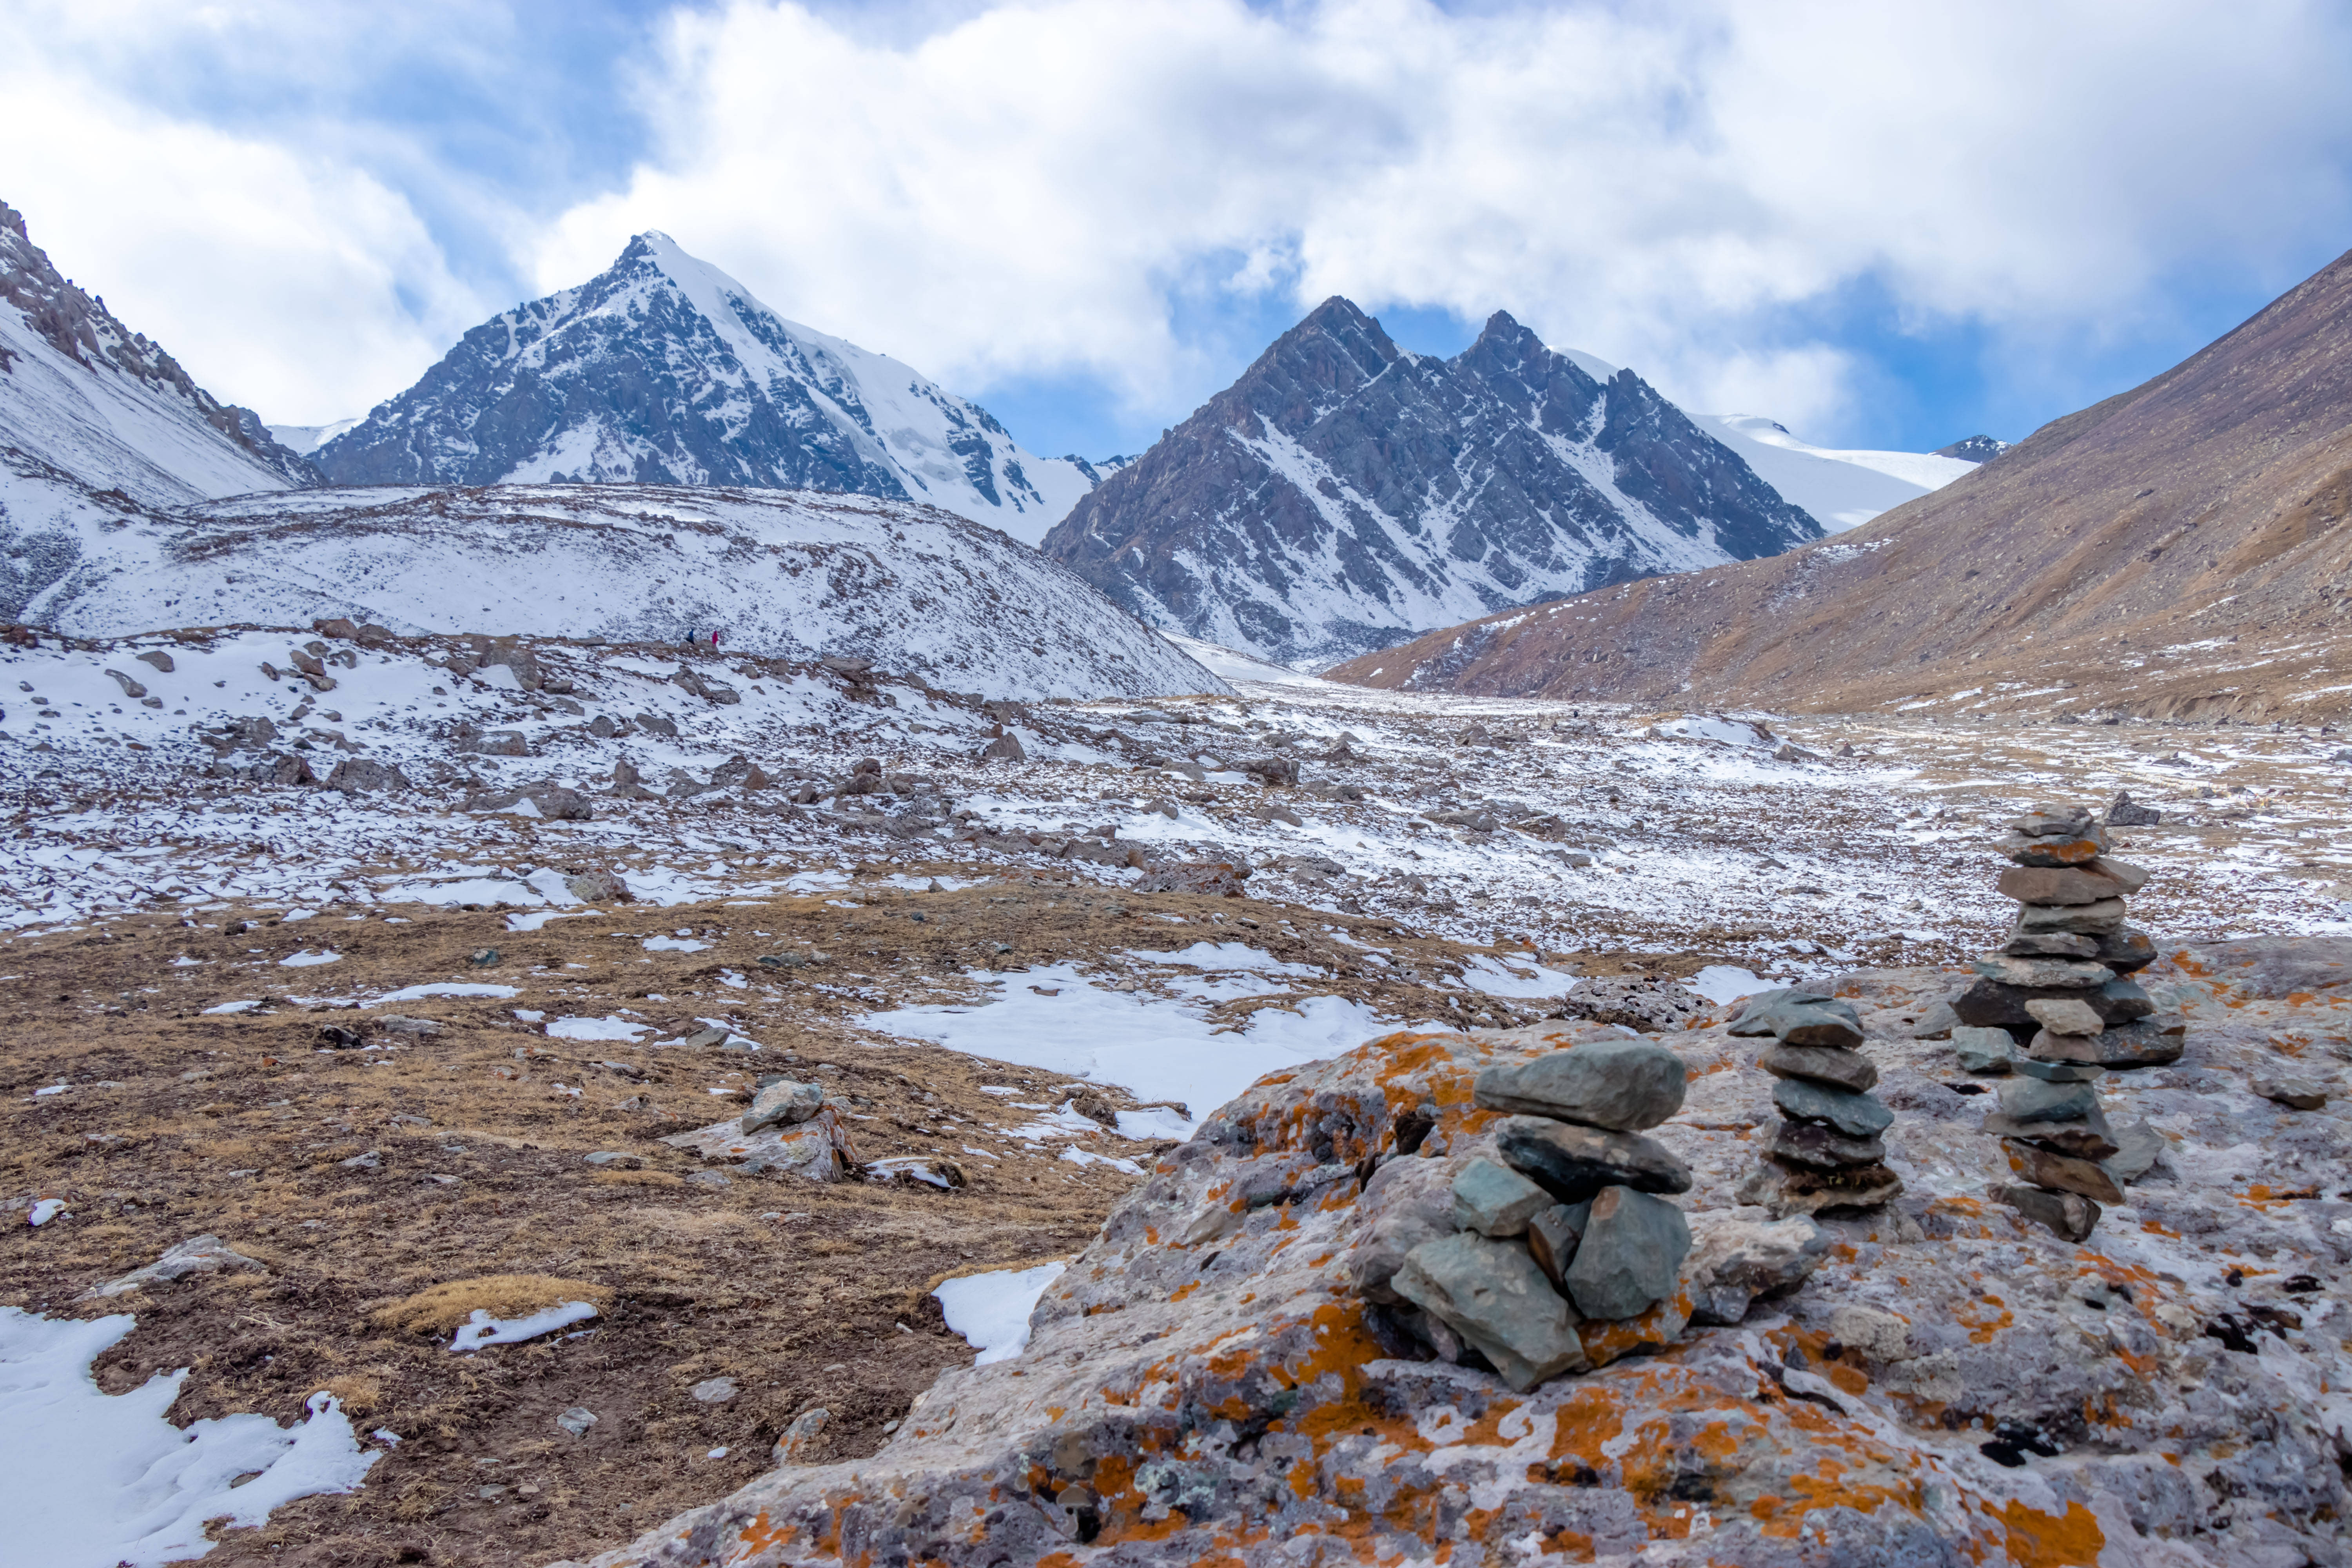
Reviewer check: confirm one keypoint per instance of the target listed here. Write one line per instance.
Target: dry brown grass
(442, 1307)
(480, 1178)
(358, 1392)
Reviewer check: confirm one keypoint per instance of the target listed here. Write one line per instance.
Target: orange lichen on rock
(2037, 1539)
(1606, 1339)
(1981, 1325)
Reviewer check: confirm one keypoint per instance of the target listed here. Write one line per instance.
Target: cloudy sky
(1883, 224)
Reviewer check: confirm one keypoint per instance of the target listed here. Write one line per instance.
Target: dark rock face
(663, 370)
(1345, 494)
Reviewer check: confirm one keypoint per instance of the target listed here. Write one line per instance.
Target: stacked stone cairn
(1828, 1151)
(1568, 1226)
(2057, 1007)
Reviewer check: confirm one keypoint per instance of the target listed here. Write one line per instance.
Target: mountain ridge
(2177, 551)
(1344, 492)
(85, 395)
(917, 590)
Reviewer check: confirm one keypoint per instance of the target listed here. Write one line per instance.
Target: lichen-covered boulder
(1949, 1383)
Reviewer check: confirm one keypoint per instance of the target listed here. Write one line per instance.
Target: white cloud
(287, 284)
(1021, 191)
(1049, 189)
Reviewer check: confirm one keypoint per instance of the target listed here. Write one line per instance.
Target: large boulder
(1949, 1383)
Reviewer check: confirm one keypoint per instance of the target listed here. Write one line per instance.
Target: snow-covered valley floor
(387, 1035)
(1573, 827)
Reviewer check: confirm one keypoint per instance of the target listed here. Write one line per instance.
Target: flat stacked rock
(2070, 943)
(1570, 1226)
(2060, 989)
(1828, 1152)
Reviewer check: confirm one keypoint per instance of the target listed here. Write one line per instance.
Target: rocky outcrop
(1975, 449)
(1345, 494)
(1222, 1378)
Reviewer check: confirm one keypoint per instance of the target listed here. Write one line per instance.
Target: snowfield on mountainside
(913, 589)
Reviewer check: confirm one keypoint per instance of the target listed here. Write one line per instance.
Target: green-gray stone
(1574, 1164)
(1855, 1115)
(1495, 1200)
(1622, 1085)
(1631, 1253)
(1493, 1295)
(2031, 1100)
(2058, 1072)
(1822, 1064)
(1983, 1049)
(2127, 1000)
(1816, 1024)
(1756, 1019)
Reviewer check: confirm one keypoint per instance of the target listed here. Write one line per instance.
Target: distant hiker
(714, 642)
(690, 638)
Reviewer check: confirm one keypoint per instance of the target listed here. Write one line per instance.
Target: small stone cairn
(1828, 1152)
(1568, 1226)
(2061, 986)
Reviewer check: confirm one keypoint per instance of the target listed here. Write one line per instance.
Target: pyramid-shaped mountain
(1345, 494)
(664, 370)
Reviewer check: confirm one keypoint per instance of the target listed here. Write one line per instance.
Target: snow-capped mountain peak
(664, 369)
(1345, 494)
(1839, 488)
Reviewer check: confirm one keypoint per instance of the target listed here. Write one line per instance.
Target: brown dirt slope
(2204, 508)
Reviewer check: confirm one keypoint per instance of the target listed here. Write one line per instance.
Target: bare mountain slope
(2177, 549)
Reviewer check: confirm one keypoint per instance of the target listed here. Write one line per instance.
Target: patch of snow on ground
(1154, 1124)
(1159, 1049)
(1088, 1157)
(1715, 727)
(481, 1329)
(539, 918)
(1721, 982)
(1498, 977)
(106, 1479)
(443, 988)
(991, 1311)
(606, 1028)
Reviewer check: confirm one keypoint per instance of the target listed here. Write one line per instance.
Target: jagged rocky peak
(663, 369)
(1975, 449)
(84, 393)
(1345, 493)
